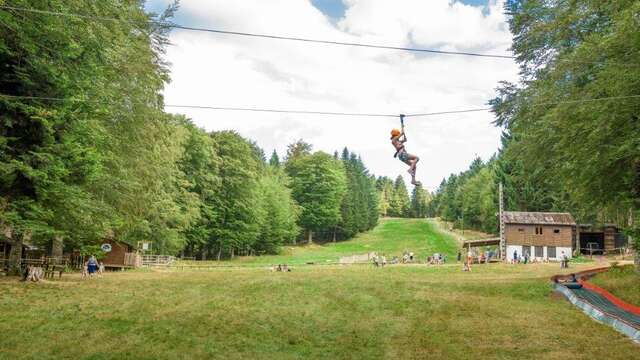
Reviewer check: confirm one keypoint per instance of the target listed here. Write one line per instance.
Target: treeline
(394, 200)
(87, 151)
(565, 146)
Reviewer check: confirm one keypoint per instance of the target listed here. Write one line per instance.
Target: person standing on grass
(92, 265)
(469, 259)
(515, 256)
(459, 255)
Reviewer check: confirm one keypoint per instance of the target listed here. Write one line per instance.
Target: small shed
(120, 255)
(596, 239)
(542, 235)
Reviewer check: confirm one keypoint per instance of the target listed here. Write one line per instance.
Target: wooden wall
(520, 234)
(117, 254)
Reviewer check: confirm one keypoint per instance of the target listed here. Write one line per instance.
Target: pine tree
(274, 161)
(399, 205)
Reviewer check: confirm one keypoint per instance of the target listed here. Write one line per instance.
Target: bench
(50, 271)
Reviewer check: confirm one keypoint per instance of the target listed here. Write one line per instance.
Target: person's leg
(412, 161)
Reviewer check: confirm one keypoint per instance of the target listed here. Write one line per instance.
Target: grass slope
(621, 281)
(391, 237)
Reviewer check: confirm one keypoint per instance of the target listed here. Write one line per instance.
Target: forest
(87, 151)
(571, 124)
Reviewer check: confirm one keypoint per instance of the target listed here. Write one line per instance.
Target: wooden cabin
(122, 255)
(543, 235)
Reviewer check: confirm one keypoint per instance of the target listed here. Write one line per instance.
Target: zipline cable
(291, 38)
(268, 36)
(332, 113)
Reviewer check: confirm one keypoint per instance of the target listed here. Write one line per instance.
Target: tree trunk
(15, 255)
(219, 253)
(232, 252)
(310, 239)
(334, 234)
(57, 247)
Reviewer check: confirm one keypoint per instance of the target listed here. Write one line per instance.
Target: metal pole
(503, 245)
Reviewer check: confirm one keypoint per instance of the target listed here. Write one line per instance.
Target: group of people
(380, 260)
(527, 259)
(436, 259)
(483, 258)
(92, 267)
(281, 268)
(407, 257)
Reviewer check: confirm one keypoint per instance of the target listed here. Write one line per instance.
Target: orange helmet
(395, 132)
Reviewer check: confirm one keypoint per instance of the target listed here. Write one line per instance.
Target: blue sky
(335, 8)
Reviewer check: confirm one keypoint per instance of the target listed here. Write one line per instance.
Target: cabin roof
(538, 218)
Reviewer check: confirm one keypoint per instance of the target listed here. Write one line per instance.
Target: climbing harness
(404, 136)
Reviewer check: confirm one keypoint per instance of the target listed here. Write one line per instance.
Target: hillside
(391, 237)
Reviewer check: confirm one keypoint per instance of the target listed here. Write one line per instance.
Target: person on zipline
(398, 139)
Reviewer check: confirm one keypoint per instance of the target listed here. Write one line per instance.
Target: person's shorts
(403, 156)
(92, 268)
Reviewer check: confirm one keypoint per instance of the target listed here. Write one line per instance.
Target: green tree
(279, 212)
(399, 205)
(274, 160)
(237, 227)
(420, 199)
(318, 185)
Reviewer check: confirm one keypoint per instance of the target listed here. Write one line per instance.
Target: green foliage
(274, 161)
(359, 207)
(399, 203)
(420, 199)
(279, 212)
(95, 250)
(581, 157)
(318, 184)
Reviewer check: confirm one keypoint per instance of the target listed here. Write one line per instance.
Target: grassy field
(391, 237)
(317, 312)
(621, 281)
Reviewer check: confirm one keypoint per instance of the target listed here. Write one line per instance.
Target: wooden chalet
(542, 235)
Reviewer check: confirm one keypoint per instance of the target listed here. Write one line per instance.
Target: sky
(230, 71)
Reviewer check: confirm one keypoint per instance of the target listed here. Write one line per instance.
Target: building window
(556, 231)
(520, 230)
(551, 252)
(539, 251)
(538, 230)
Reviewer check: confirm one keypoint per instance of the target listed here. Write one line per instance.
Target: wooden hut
(543, 235)
(120, 255)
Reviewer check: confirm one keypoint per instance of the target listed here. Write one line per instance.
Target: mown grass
(622, 281)
(329, 312)
(314, 312)
(391, 237)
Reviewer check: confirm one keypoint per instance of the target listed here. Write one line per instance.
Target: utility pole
(503, 244)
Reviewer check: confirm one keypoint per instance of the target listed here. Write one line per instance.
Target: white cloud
(222, 70)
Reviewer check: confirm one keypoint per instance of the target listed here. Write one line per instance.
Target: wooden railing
(132, 259)
(157, 260)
